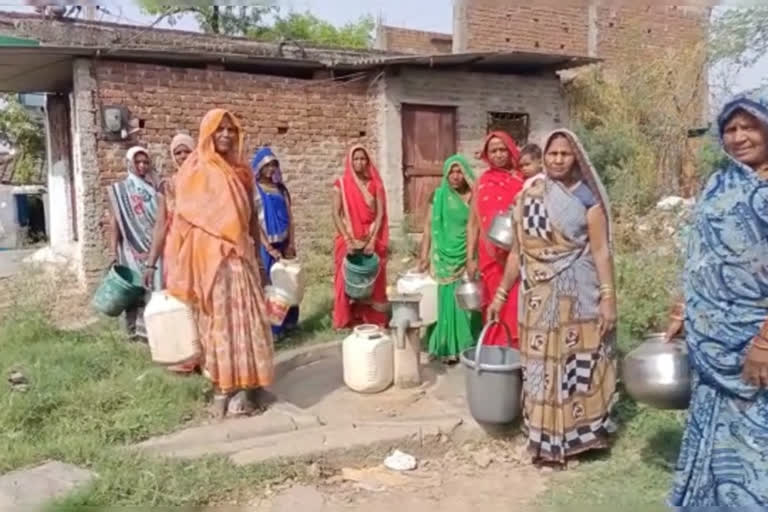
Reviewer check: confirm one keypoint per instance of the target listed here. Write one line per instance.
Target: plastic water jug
(278, 304)
(171, 329)
(289, 276)
(368, 360)
(412, 283)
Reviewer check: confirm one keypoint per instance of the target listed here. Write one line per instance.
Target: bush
(647, 282)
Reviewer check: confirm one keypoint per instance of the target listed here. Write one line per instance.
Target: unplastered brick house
(413, 103)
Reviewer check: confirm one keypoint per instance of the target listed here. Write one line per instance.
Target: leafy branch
(21, 131)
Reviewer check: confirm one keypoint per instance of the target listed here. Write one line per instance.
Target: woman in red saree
(360, 217)
(495, 192)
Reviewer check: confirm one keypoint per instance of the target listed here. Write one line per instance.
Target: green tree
(309, 28)
(263, 21)
(23, 132)
(215, 19)
(739, 36)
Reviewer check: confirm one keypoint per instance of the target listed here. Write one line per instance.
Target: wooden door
(429, 137)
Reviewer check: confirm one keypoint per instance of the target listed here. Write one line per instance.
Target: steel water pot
(502, 231)
(658, 373)
(469, 294)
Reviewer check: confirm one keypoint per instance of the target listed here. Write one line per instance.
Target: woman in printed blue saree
(724, 455)
(273, 203)
(134, 211)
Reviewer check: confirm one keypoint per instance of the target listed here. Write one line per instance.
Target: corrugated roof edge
(96, 39)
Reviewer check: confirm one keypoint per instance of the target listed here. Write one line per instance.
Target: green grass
(635, 475)
(315, 322)
(90, 394)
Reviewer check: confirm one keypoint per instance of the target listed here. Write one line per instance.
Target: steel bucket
(502, 231)
(494, 381)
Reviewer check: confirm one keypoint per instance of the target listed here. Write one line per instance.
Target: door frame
(404, 106)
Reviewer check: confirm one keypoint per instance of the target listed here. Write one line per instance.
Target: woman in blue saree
(724, 455)
(273, 203)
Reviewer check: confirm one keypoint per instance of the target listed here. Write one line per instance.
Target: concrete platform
(315, 413)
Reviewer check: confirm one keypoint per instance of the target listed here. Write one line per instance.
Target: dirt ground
(489, 477)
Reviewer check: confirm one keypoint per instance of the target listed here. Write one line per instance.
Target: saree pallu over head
(134, 204)
(722, 458)
(134, 201)
(495, 193)
(450, 215)
(212, 216)
(271, 205)
(168, 187)
(359, 212)
(726, 274)
(360, 201)
(497, 188)
(569, 369)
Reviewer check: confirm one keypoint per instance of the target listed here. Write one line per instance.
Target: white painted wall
(9, 222)
(59, 205)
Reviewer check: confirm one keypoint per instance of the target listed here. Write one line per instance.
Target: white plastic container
(290, 278)
(368, 360)
(412, 283)
(171, 329)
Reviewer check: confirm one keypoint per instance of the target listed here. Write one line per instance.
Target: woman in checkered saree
(567, 305)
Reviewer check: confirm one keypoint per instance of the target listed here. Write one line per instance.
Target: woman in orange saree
(360, 217)
(214, 239)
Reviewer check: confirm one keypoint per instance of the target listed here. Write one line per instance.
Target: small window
(514, 123)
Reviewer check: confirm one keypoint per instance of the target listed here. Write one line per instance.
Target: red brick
(321, 116)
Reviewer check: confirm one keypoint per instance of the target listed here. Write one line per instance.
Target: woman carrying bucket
(133, 202)
(360, 217)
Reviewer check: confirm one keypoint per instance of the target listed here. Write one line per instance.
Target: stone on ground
(30, 488)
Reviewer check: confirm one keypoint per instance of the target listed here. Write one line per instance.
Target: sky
(433, 15)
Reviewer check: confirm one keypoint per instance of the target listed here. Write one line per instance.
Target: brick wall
(636, 31)
(310, 125)
(619, 28)
(525, 26)
(473, 95)
(404, 40)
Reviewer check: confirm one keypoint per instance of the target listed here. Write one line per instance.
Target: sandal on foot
(239, 405)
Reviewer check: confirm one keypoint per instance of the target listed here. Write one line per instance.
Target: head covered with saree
(213, 211)
(359, 200)
(726, 255)
(750, 145)
(509, 142)
(131, 167)
(450, 214)
(179, 140)
(586, 171)
(726, 305)
(262, 157)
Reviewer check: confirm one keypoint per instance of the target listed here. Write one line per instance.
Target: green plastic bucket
(360, 273)
(121, 289)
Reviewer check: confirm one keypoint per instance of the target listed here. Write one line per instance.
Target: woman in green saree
(444, 252)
